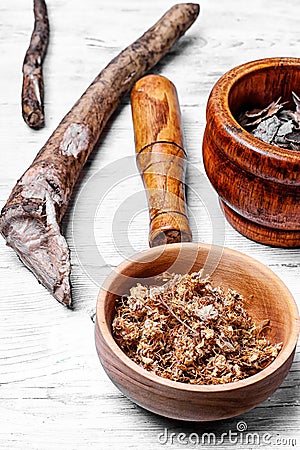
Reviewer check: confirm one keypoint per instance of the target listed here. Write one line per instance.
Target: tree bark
(31, 217)
(33, 83)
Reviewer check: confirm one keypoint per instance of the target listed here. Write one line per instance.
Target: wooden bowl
(266, 297)
(258, 183)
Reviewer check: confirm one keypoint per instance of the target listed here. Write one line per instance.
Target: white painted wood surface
(54, 393)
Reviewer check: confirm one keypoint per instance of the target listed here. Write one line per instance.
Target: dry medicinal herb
(189, 331)
(275, 124)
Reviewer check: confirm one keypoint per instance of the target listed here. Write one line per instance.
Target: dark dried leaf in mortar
(275, 124)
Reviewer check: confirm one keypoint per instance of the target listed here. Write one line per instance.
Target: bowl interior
(258, 87)
(265, 296)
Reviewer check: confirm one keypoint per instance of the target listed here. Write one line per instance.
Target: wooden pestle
(161, 158)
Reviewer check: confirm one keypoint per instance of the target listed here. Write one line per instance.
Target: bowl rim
(224, 120)
(279, 361)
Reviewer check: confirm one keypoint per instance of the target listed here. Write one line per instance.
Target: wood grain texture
(261, 184)
(260, 233)
(161, 158)
(54, 393)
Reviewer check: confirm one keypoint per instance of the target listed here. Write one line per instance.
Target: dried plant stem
(31, 217)
(33, 83)
(165, 304)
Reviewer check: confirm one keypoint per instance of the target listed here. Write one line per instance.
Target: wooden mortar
(258, 183)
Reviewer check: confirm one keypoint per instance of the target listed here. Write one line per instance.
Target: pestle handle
(161, 158)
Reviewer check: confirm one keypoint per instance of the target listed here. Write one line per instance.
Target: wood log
(31, 217)
(161, 158)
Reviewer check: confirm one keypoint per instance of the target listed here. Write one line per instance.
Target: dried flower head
(187, 330)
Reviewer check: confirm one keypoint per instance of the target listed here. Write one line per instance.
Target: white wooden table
(54, 393)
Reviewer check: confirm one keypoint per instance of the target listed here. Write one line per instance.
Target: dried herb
(275, 124)
(187, 330)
